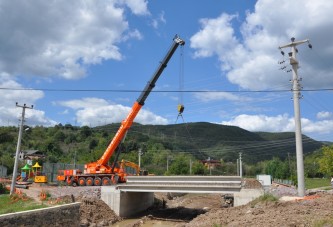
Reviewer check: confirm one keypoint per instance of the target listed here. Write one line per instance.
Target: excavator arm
(101, 165)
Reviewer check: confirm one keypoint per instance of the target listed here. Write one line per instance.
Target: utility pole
(12, 187)
(289, 164)
(237, 167)
(75, 159)
(296, 96)
(240, 165)
(167, 163)
(140, 153)
(190, 166)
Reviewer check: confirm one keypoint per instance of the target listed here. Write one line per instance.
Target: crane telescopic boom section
(101, 164)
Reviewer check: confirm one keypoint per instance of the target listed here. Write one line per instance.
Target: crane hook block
(180, 108)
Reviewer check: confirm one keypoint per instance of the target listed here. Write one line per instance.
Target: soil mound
(95, 211)
(308, 211)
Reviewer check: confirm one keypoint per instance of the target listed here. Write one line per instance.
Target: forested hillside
(159, 143)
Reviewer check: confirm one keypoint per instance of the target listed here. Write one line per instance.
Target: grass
(311, 183)
(267, 197)
(322, 223)
(16, 203)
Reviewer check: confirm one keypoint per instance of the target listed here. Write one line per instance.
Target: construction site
(180, 209)
(85, 179)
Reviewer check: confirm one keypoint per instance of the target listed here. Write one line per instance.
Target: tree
(278, 169)
(326, 161)
(198, 168)
(180, 166)
(85, 132)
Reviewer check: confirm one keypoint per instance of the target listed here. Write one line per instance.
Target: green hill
(203, 140)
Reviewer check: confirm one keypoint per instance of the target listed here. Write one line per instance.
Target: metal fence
(283, 181)
(51, 169)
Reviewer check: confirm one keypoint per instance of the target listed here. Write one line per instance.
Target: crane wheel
(106, 181)
(97, 181)
(82, 181)
(89, 181)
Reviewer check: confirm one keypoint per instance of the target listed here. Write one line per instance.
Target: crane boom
(100, 166)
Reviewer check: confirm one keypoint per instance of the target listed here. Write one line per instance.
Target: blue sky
(80, 57)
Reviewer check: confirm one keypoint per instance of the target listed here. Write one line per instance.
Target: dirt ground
(191, 210)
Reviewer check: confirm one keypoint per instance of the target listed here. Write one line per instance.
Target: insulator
(310, 45)
(282, 52)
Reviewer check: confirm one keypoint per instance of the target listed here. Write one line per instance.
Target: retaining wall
(62, 215)
(246, 195)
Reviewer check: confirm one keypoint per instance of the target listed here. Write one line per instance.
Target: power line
(156, 91)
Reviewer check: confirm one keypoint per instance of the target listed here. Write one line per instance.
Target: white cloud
(137, 7)
(83, 103)
(320, 127)
(217, 96)
(160, 19)
(61, 38)
(37, 117)
(324, 115)
(279, 123)
(250, 61)
(216, 36)
(94, 111)
(13, 92)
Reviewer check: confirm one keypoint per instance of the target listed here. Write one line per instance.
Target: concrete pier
(126, 204)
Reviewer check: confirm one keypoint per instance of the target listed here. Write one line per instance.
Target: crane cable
(180, 106)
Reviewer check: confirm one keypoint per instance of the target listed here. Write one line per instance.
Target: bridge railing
(183, 184)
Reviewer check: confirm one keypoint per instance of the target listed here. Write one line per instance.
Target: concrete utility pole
(140, 153)
(190, 166)
(12, 187)
(296, 96)
(237, 167)
(167, 163)
(240, 165)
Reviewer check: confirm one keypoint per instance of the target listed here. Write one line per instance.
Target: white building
(3, 171)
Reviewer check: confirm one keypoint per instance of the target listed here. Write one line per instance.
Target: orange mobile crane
(99, 172)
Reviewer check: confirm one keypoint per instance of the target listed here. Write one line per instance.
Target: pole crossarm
(295, 43)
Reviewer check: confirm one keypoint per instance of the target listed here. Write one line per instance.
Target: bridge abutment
(126, 204)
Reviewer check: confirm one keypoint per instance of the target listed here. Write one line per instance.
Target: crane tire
(106, 181)
(82, 181)
(97, 181)
(89, 181)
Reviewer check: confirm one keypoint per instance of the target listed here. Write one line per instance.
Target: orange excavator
(99, 172)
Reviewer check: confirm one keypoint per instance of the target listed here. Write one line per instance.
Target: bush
(3, 189)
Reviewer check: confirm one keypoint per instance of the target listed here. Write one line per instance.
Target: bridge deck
(182, 184)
